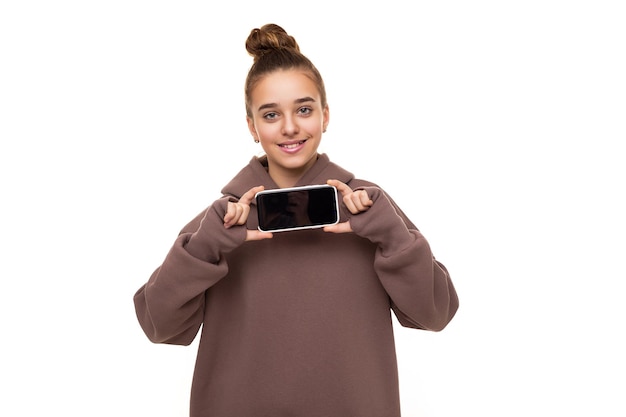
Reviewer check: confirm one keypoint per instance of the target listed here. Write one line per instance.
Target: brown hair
(274, 49)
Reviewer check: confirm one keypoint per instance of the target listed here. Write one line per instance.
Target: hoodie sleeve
(170, 306)
(420, 288)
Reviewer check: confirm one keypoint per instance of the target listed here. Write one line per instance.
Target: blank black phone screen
(291, 209)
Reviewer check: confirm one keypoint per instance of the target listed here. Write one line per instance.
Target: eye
(304, 111)
(270, 115)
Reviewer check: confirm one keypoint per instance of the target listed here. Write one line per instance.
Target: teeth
(293, 145)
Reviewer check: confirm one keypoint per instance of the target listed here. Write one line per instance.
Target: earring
(256, 141)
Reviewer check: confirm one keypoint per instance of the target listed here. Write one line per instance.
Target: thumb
(339, 228)
(253, 234)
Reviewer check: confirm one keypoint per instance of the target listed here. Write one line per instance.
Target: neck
(286, 177)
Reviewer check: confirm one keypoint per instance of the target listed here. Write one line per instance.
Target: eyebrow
(297, 101)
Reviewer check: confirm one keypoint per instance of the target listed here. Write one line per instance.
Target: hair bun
(268, 38)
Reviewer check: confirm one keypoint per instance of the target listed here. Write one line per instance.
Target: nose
(290, 126)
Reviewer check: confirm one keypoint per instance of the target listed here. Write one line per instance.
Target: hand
(237, 214)
(355, 201)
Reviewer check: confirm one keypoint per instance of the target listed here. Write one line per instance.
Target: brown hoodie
(300, 324)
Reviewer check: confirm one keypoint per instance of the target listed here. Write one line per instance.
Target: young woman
(294, 323)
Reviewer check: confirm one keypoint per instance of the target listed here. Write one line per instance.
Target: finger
(361, 200)
(231, 212)
(357, 201)
(365, 199)
(242, 213)
(258, 235)
(350, 205)
(249, 195)
(236, 216)
(339, 228)
(344, 189)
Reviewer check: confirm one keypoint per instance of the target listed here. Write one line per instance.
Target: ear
(252, 128)
(326, 118)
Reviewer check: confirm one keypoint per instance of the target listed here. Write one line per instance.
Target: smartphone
(297, 208)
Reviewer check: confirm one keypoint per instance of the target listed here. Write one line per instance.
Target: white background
(498, 126)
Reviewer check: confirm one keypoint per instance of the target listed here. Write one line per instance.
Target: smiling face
(287, 118)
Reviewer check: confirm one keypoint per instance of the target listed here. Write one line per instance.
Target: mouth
(292, 144)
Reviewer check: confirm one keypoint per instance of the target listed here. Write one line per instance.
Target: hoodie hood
(255, 173)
